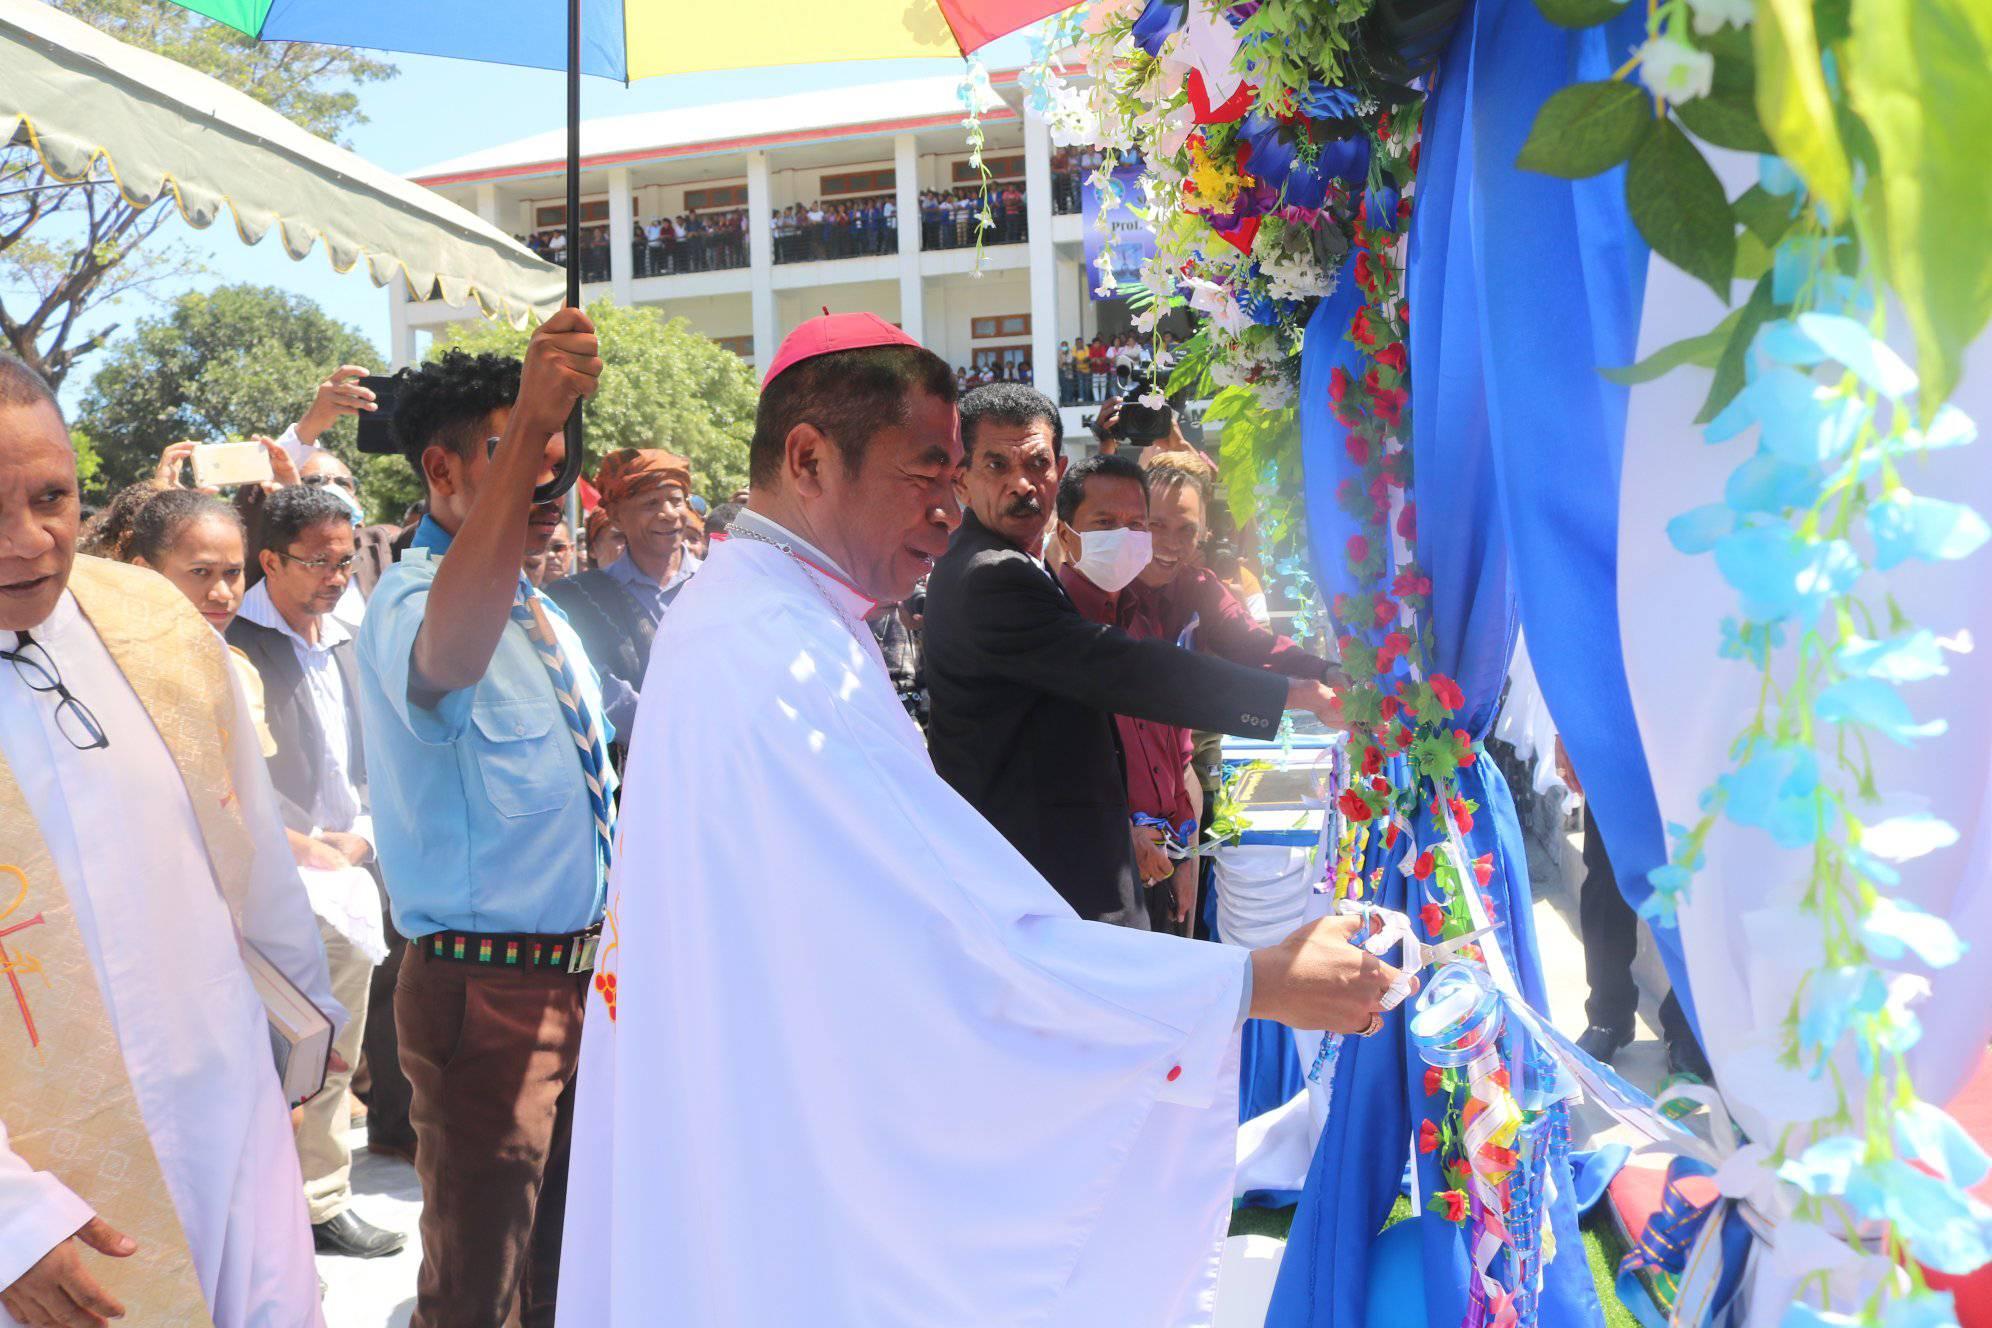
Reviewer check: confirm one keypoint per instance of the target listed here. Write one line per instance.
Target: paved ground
(379, 1293)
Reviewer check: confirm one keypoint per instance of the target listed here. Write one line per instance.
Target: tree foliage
(67, 250)
(663, 385)
(237, 361)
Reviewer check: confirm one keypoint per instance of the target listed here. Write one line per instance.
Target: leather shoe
(350, 1234)
(1684, 1057)
(1601, 1042)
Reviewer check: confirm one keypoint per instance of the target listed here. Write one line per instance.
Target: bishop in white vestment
(144, 856)
(849, 1059)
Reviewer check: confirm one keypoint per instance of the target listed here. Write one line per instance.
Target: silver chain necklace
(809, 573)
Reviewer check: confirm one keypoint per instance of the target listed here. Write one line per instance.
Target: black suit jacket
(1024, 690)
(296, 768)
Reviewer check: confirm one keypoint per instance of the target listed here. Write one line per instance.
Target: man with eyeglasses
(140, 1118)
(305, 658)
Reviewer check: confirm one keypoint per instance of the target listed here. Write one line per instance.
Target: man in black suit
(1024, 689)
(310, 684)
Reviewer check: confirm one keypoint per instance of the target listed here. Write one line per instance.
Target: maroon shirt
(1154, 755)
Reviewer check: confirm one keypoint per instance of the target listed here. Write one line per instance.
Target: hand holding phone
(226, 465)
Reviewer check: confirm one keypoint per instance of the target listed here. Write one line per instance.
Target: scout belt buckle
(582, 958)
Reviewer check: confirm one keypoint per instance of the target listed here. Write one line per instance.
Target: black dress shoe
(350, 1234)
(1601, 1042)
(1684, 1057)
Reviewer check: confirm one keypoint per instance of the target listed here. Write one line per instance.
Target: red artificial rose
(1409, 582)
(1383, 125)
(1395, 646)
(1358, 548)
(1448, 692)
(1390, 707)
(1357, 448)
(1372, 759)
(1392, 356)
(1343, 609)
(1422, 868)
(1371, 381)
(1386, 612)
(1407, 522)
(1389, 833)
(1389, 406)
(1414, 164)
(1380, 784)
(1483, 869)
(1433, 919)
(1462, 815)
(1352, 806)
(1379, 490)
(1347, 415)
(1428, 1137)
(1403, 737)
(1364, 276)
(1454, 1204)
(1339, 383)
(1434, 1080)
(1360, 329)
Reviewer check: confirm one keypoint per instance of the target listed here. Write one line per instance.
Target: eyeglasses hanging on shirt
(73, 719)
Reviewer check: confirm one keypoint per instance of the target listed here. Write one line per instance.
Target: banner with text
(1133, 243)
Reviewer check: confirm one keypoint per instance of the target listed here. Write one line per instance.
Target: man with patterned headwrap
(616, 609)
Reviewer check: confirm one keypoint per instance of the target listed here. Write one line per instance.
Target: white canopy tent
(79, 97)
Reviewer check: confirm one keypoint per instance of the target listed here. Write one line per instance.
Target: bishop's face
(39, 513)
(889, 522)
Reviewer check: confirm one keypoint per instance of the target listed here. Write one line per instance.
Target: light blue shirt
(481, 816)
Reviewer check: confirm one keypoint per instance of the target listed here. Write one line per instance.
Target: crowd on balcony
(1091, 371)
(848, 228)
(1069, 169)
(948, 217)
(693, 242)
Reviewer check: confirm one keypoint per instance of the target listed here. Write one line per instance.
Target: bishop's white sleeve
(37, 1213)
(296, 448)
(277, 917)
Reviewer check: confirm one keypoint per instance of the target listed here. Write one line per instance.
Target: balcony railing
(948, 221)
(716, 243)
(1067, 192)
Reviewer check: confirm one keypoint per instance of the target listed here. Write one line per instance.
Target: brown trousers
(490, 1054)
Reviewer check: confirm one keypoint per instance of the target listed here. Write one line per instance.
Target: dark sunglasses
(343, 481)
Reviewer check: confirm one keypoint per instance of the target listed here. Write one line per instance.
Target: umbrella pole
(571, 468)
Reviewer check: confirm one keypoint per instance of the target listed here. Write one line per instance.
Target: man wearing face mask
(1111, 513)
(1024, 688)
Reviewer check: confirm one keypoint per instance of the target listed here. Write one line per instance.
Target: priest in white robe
(146, 1161)
(849, 1059)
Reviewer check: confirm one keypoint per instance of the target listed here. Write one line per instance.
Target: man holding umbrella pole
(494, 817)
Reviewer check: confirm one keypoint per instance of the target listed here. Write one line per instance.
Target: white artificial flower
(1102, 15)
(1219, 304)
(1711, 15)
(1153, 399)
(1673, 70)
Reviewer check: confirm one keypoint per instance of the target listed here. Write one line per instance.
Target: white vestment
(866, 1067)
(121, 829)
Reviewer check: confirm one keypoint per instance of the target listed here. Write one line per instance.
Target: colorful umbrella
(631, 39)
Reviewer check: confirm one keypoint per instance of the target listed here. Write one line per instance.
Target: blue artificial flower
(1948, 1229)
(1826, 1167)
(1381, 209)
(1804, 1316)
(1927, 1134)
(1905, 525)
(1777, 177)
(1833, 996)
(1872, 361)
(1802, 423)
(1874, 704)
(1765, 484)
(1781, 574)
(1345, 158)
(1926, 1309)
(1321, 102)
(1894, 927)
(1781, 340)
(1697, 530)
(1157, 23)
(1751, 641)
(1775, 789)
(1910, 657)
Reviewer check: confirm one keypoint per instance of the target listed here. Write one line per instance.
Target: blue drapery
(1520, 288)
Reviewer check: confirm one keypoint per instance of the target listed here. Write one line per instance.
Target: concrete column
(487, 203)
(621, 230)
(761, 258)
(1044, 262)
(401, 336)
(906, 187)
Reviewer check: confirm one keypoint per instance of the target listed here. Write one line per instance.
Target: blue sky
(436, 109)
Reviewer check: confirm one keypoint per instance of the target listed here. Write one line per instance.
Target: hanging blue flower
(1157, 23)
(1381, 206)
(1321, 102)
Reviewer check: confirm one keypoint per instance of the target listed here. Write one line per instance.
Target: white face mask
(1110, 559)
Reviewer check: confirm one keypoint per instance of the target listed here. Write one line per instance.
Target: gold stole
(65, 1095)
